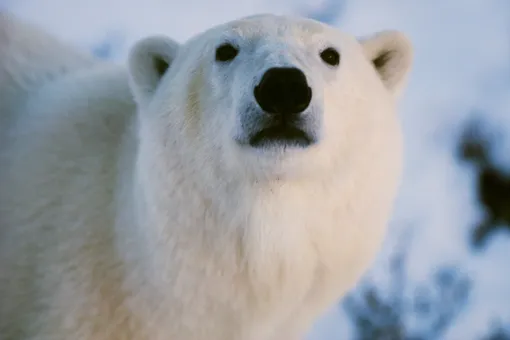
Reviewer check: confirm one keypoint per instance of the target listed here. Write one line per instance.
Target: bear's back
(63, 118)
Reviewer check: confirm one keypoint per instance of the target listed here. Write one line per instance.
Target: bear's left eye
(330, 56)
(226, 52)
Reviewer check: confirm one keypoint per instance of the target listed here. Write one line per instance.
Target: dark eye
(330, 56)
(226, 52)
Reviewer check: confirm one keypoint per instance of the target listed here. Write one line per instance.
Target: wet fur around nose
(263, 129)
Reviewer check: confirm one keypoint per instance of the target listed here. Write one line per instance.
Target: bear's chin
(278, 161)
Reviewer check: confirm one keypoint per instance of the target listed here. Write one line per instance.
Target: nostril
(283, 91)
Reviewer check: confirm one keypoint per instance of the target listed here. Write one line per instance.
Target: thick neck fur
(251, 242)
(255, 251)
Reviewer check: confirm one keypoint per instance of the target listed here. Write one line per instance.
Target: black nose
(283, 91)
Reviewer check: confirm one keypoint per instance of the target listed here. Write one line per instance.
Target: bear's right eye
(330, 56)
(226, 52)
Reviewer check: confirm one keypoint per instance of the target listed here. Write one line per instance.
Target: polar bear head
(271, 97)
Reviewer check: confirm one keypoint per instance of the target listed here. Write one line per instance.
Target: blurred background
(444, 271)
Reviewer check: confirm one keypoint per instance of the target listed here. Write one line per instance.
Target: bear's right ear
(391, 54)
(148, 61)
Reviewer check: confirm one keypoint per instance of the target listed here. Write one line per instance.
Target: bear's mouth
(280, 135)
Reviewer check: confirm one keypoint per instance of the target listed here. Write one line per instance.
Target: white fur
(124, 220)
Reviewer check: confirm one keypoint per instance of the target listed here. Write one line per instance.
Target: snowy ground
(462, 66)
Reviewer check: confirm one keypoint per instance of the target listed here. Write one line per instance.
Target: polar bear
(232, 187)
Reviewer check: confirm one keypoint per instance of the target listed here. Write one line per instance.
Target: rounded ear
(391, 53)
(148, 61)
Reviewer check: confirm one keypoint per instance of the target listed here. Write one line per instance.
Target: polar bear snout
(283, 91)
(281, 113)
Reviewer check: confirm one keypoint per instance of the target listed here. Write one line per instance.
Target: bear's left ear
(148, 61)
(391, 53)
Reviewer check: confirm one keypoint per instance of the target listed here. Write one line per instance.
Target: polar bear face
(273, 97)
